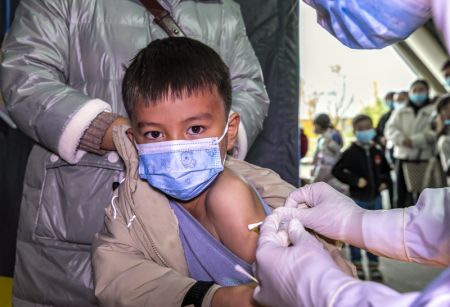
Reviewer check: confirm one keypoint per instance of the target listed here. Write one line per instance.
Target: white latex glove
(331, 213)
(303, 274)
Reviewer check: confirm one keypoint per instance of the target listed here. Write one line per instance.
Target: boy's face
(201, 115)
(363, 125)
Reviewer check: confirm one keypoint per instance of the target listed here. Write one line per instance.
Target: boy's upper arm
(231, 207)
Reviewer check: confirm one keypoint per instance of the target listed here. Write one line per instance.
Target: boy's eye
(153, 135)
(196, 130)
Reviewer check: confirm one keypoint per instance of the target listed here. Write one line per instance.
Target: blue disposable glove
(371, 24)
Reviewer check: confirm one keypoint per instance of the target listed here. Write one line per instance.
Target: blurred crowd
(407, 151)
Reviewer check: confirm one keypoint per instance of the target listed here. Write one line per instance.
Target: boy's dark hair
(442, 102)
(359, 118)
(446, 65)
(174, 66)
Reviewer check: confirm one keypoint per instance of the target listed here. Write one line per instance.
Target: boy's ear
(234, 121)
(130, 134)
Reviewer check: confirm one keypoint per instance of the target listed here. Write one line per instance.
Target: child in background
(443, 133)
(364, 168)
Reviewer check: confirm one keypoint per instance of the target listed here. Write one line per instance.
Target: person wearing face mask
(365, 169)
(328, 151)
(446, 72)
(389, 101)
(410, 131)
(400, 100)
(443, 133)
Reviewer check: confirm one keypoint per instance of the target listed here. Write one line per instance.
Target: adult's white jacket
(403, 124)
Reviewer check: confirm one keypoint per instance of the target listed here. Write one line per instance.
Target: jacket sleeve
(393, 131)
(404, 234)
(341, 172)
(35, 73)
(124, 276)
(250, 98)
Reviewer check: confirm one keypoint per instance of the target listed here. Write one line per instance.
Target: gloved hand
(332, 214)
(303, 274)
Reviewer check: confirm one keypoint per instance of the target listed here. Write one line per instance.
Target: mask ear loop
(223, 135)
(220, 139)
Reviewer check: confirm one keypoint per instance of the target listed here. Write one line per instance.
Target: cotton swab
(254, 225)
(241, 270)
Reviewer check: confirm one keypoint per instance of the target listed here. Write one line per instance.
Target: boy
(364, 168)
(173, 237)
(182, 133)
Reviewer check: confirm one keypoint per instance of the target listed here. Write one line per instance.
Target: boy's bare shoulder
(230, 190)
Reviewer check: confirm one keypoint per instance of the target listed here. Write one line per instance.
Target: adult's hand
(107, 141)
(303, 274)
(330, 212)
(407, 143)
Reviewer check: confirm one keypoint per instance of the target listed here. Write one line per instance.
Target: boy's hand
(362, 183)
(235, 296)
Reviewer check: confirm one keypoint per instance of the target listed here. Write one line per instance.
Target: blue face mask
(447, 122)
(447, 81)
(365, 136)
(390, 104)
(181, 169)
(419, 98)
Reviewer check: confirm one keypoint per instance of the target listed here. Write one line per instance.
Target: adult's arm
(304, 275)
(250, 98)
(367, 24)
(414, 234)
(34, 74)
(393, 130)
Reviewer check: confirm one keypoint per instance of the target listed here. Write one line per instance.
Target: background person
(443, 133)
(410, 131)
(364, 168)
(328, 151)
(389, 102)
